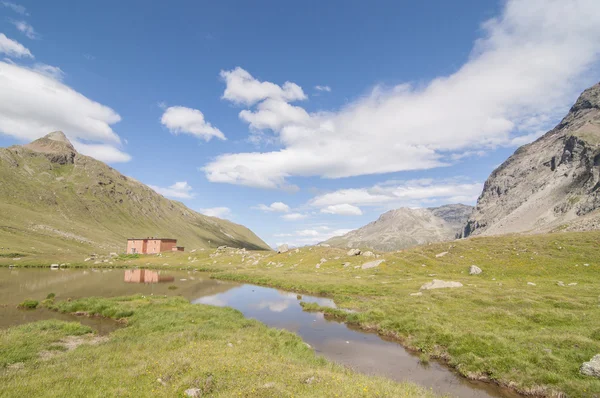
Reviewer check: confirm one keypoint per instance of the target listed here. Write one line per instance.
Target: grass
(29, 304)
(496, 327)
(169, 346)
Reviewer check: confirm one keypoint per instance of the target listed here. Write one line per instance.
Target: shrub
(50, 296)
(29, 304)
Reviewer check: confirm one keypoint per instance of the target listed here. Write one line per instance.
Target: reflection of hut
(145, 276)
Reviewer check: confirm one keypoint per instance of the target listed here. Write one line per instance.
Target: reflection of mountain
(146, 276)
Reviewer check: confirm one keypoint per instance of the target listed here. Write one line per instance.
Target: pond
(362, 351)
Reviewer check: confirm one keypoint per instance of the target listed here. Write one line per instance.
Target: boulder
(475, 270)
(372, 264)
(439, 284)
(442, 254)
(282, 248)
(368, 254)
(591, 368)
(193, 392)
(353, 252)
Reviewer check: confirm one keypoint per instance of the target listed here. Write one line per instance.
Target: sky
(299, 120)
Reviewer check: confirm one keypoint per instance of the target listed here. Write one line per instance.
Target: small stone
(439, 284)
(310, 380)
(318, 266)
(417, 294)
(475, 270)
(372, 264)
(442, 254)
(572, 284)
(346, 264)
(323, 260)
(531, 284)
(368, 254)
(193, 392)
(229, 345)
(591, 368)
(353, 252)
(560, 283)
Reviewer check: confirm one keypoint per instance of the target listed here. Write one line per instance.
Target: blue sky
(299, 120)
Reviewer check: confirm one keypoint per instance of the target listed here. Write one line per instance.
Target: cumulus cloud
(180, 190)
(243, 88)
(26, 29)
(311, 236)
(411, 193)
(343, 209)
(19, 9)
(51, 71)
(524, 71)
(279, 207)
(13, 48)
(294, 216)
(34, 103)
(323, 88)
(220, 212)
(179, 119)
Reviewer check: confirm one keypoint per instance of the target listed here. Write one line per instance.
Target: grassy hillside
(528, 321)
(170, 346)
(51, 202)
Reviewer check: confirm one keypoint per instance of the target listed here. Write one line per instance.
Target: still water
(364, 352)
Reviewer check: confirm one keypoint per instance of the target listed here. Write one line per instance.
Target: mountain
(52, 199)
(550, 184)
(404, 227)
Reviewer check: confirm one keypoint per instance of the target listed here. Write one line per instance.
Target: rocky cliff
(54, 199)
(550, 184)
(404, 227)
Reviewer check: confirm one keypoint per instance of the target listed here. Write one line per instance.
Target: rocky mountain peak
(548, 184)
(56, 146)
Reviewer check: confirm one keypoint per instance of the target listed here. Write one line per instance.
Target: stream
(362, 351)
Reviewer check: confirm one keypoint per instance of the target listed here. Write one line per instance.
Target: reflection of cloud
(274, 306)
(211, 300)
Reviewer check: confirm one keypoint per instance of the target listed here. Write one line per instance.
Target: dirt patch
(69, 343)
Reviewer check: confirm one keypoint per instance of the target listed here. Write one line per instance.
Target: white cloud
(13, 48)
(19, 9)
(311, 236)
(294, 216)
(279, 207)
(26, 29)
(523, 73)
(243, 88)
(180, 190)
(32, 104)
(220, 212)
(179, 119)
(343, 209)
(51, 71)
(323, 88)
(102, 152)
(412, 193)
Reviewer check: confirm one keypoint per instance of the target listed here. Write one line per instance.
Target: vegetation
(29, 304)
(528, 321)
(170, 346)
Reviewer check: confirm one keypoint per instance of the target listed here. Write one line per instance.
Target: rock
(310, 380)
(439, 284)
(193, 392)
(591, 368)
(572, 284)
(417, 294)
(372, 264)
(87, 259)
(297, 250)
(442, 254)
(560, 283)
(531, 284)
(346, 264)
(475, 270)
(282, 248)
(193, 251)
(323, 260)
(318, 266)
(54, 266)
(550, 184)
(368, 254)
(229, 345)
(353, 252)
(113, 255)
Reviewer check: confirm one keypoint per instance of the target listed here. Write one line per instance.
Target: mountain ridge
(62, 200)
(549, 184)
(405, 227)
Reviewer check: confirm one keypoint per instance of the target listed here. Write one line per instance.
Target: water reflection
(146, 276)
(365, 352)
